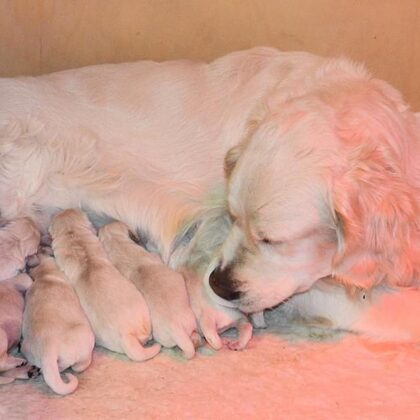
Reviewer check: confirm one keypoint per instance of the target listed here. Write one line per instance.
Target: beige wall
(38, 36)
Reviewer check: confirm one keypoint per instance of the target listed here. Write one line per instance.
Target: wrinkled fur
(116, 310)
(321, 162)
(173, 322)
(56, 333)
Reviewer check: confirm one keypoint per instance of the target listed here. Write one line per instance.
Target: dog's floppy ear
(376, 209)
(253, 122)
(232, 156)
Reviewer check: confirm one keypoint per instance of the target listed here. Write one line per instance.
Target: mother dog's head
(325, 183)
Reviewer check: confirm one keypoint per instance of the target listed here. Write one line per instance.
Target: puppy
(214, 318)
(56, 332)
(213, 314)
(11, 313)
(173, 322)
(117, 311)
(19, 239)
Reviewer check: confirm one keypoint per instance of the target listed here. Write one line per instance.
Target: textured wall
(38, 36)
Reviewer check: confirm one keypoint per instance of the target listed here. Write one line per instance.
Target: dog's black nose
(223, 283)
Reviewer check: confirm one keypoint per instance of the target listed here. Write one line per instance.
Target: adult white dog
(321, 161)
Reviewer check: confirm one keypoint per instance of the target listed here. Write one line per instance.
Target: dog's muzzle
(223, 284)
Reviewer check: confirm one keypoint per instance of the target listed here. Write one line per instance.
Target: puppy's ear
(377, 227)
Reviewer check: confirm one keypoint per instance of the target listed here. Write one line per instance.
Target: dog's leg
(82, 365)
(244, 335)
(32, 262)
(258, 320)
(135, 351)
(209, 329)
(9, 362)
(5, 380)
(23, 372)
(185, 344)
(22, 282)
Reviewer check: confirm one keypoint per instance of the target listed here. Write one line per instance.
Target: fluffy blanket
(289, 371)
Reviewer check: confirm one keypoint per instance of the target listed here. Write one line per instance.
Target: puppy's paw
(197, 340)
(11, 362)
(33, 372)
(208, 326)
(31, 262)
(23, 372)
(235, 345)
(24, 363)
(4, 380)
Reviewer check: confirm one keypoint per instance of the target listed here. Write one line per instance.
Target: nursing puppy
(117, 311)
(214, 315)
(11, 314)
(19, 239)
(56, 332)
(173, 322)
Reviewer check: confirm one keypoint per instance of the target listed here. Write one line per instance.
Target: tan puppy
(19, 239)
(56, 332)
(173, 322)
(215, 318)
(117, 311)
(11, 313)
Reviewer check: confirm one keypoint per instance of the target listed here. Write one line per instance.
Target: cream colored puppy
(56, 332)
(19, 239)
(11, 313)
(117, 311)
(215, 317)
(173, 322)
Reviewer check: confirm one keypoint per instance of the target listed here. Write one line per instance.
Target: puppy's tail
(53, 378)
(135, 351)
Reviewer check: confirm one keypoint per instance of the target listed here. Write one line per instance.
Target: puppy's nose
(223, 283)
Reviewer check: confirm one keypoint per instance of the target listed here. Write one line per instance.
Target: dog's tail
(135, 351)
(53, 378)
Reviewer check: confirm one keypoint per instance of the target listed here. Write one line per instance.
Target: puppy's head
(115, 230)
(323, 185)
(65, 222)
